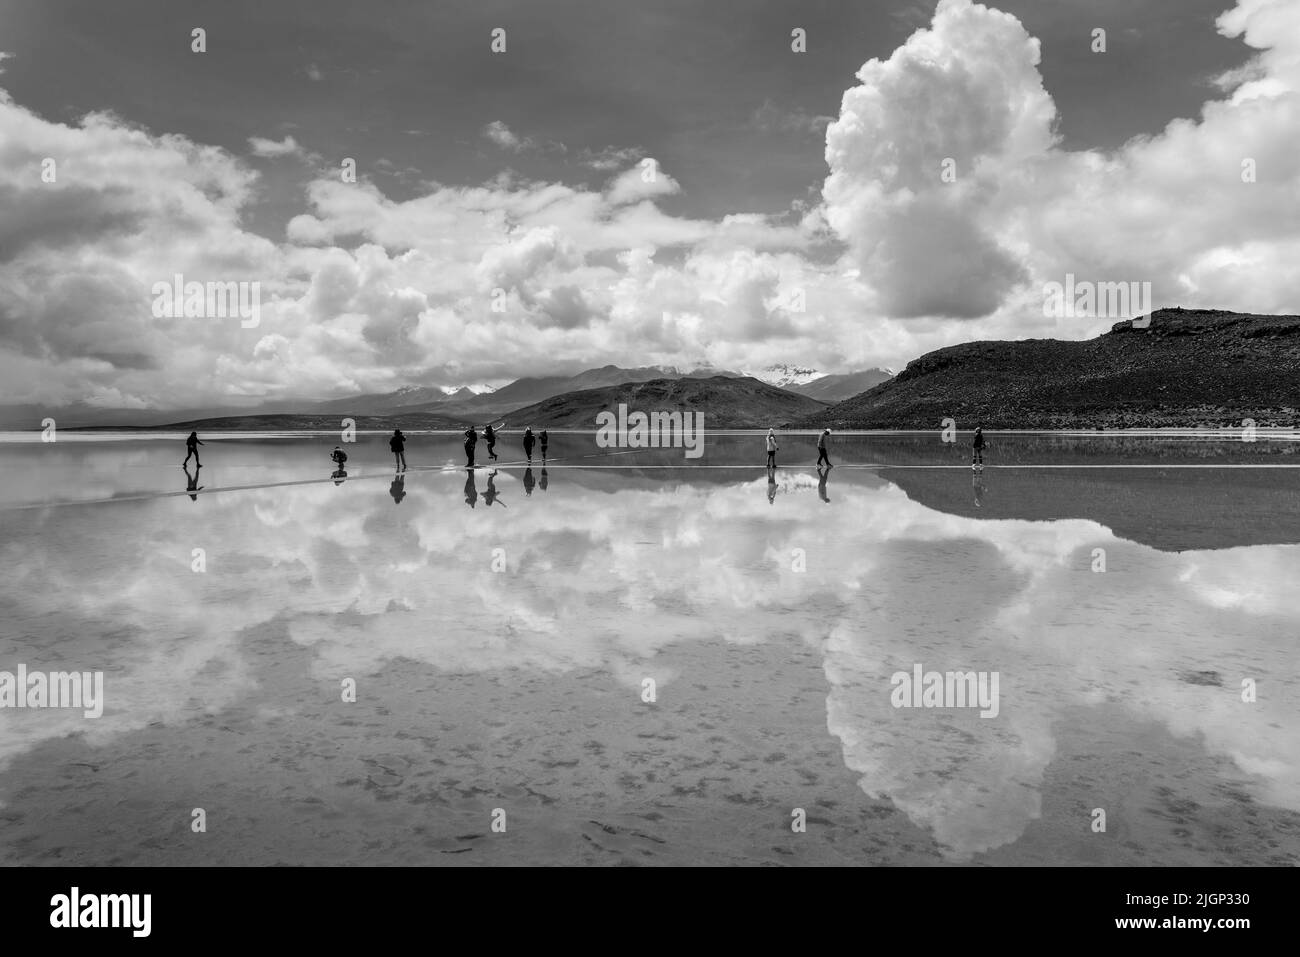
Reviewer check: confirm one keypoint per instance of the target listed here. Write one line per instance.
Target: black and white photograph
(663, 433)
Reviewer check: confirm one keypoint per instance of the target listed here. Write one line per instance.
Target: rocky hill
(1187, 368)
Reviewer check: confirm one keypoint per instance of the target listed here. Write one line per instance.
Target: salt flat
(501, 630)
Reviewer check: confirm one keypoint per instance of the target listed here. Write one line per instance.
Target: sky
(641, 184)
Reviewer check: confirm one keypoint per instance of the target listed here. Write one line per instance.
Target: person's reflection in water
(490, 496)
(771, 486)
(339, 476)
(821, 484)
(542, 484)
(471, 490)
(529, 482)
(398, 488)
(977, 485)
(192, 482)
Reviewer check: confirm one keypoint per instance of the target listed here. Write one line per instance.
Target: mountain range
(429, 406)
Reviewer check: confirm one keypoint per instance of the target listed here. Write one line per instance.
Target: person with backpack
(977, 449)
(544, 440)
(491, 438)
(471, 440)
(821, 450)
(192, 448)
(529, 442)
(771, 449)
(398, 445)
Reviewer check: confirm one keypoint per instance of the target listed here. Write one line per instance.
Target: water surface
(500, 630)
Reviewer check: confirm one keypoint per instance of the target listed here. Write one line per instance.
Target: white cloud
(1023, 211)
(966, 89)
(274, 148)
(501, 135)
(643, 181)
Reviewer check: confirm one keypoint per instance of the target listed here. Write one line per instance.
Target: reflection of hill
(1170, 510)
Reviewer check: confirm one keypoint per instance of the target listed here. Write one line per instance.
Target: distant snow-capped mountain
(475, 389)
(783, 376)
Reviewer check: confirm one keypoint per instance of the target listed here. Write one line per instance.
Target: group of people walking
(397, 444)
(531, 441)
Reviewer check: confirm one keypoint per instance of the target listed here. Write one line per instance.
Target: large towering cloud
(1208, 211)
(963, 98)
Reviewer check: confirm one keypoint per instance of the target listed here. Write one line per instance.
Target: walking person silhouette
(771, 449)
(491, 437)
(471, 440)
(544, 440)
(821, 450)
(529, 442)
(192, 448)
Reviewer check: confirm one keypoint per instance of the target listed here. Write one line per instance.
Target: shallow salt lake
(501, 629)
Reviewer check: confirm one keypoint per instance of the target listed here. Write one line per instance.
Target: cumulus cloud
(1020, 211)
(967, 91)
